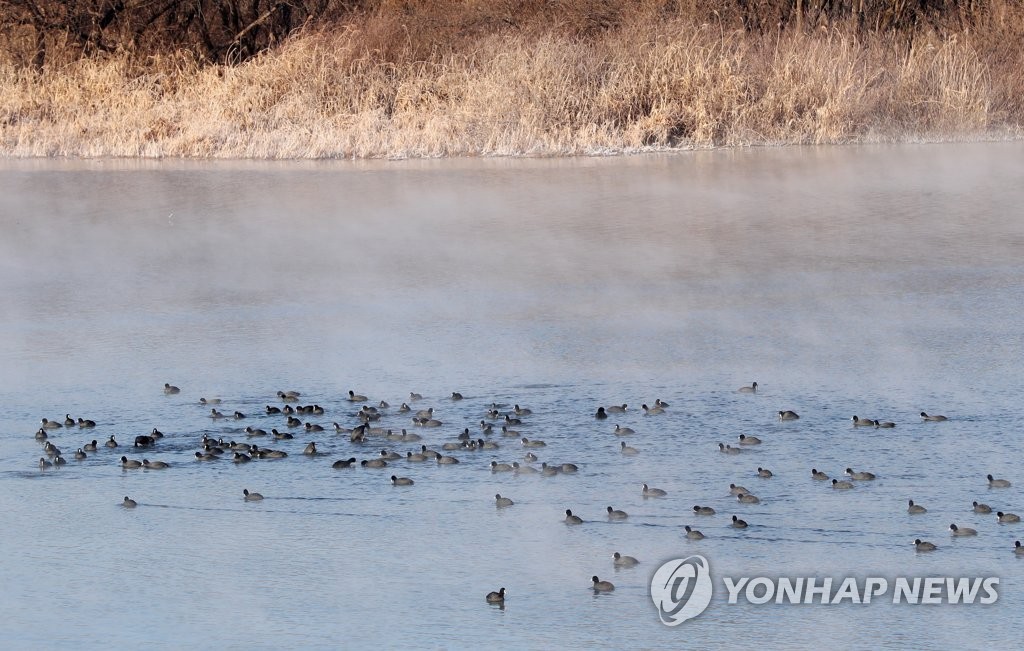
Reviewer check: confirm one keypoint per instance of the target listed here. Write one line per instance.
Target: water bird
(860, 475)
(751, 389)
(502, 502)
(749, 440)
(601, 415)
(627, 449)
(915, 508)
(401, 481)
(924, 546)
(616, 514)
(1007, 517)
(962, 531)
(527, 443)
(500, 467)
(373, 463)
(523, 470)
(617, 409)
(981, 508)
(572, 519)
(764, 473)
(41, 434)
(748, 498)
(602, 586)
(68, 420)
(155, 465)
(658, 402)
(310, 449)
(933, 418)
(624, 561)
(129, 503)
(144, 441)
(737, 490)
(356, 397)
(201, 456)
(548, 471)
(273, 410)
(788, 415)
(703, 510)
(216, 415)
(653, 492)
(997, 483)
(884, 424)
(522, 411)
(90, 447)
(170, 389)
(44, 463)
(841, 485)
(59, 461)
(862, 422)
(738, 524)
(414, 396)
(728, 449)
(251, 497)
(80, 454)
(130, 463)
(239, 457)
(496, 597)
(623, 431)
(817, 474)
(1018, 549)
(85, 422)
(50, 424)
(456, 395)
(209, 401)
(693, 534)
(447, 460)
(652, 411)
(254, 431)
(344, 463)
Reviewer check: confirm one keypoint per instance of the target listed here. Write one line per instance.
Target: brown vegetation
(323, 78)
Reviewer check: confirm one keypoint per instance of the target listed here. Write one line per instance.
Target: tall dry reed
(600, 81)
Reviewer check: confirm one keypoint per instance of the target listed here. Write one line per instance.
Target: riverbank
(362, 89)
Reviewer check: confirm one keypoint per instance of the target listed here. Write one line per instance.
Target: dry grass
(394, 83)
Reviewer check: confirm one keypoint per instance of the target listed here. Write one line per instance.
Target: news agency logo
(682, 589)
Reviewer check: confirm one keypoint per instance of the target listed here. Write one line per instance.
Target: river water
(876, 281)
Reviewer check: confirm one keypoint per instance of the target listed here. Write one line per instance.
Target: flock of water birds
(498, 422)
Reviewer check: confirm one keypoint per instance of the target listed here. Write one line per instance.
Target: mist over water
(878, 281)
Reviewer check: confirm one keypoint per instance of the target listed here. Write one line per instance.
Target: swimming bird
(628, 450)
(310, 448)
(569, 468)
(862, 422)
(170, 389)
(549, 471)
(355, 397)
(50, 424)
(817, 474)
(749, 440)
(496, 597)
(924, 546)
(624, 561)
(617, 409)
(130, 463)
(414, 396)
(616, 514)
(500, 467)
(80, 454)
(111, 443)
(915, 508)
(85, 422)
(129, 503)
(981, 508)
(788, 415)
(446, 460)
(1018, 549)
(841, 485)
(527, 443)
(623, 431)
(692, 533)
(600, 413)
(737, 490)
(658, 402)
(653, 492)
(456, 395)
(401, 481)
(933, 418)
(59, 461)
(313, 427)
(144, 441)
(751, 389)
(860, 475)
(1007, 517)
(200, 456)
(502, 502)
(239, 457)
(997, 483)
(652, 411)
(728, 449)
(738, 524)
(41, 434)
(962, 531)
(602, 586)
(155, 465)
(44, 463)
(884, 424)
(523, 470)
(373, 463)
(68, 420)
(90, 447)
(703, 510)
(764, 473)
(251, 497)
(344, 463)
(748, 498)
(209, 401)
(572, 519)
